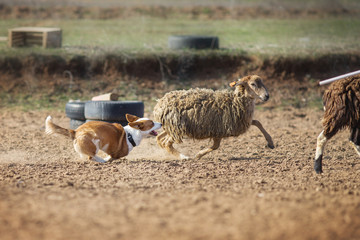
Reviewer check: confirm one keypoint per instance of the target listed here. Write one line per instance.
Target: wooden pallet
(35, 36)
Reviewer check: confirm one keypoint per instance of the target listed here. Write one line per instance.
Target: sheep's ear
(131, 118)
(235, 83)
(232, 84)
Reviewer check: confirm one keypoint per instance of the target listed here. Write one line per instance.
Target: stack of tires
(75, 111)
(108, 111)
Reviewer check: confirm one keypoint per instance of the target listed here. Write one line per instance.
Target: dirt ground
(242, 191)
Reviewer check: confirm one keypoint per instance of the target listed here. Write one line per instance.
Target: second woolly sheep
(342, 110)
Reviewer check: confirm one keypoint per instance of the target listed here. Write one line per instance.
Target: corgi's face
(145, 125)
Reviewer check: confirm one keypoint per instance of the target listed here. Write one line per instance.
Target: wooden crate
(35, 36)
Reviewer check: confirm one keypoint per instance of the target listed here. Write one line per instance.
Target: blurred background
(105, 44)
(270, 27)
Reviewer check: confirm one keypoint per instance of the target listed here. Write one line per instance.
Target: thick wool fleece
(204, 113)
(342, 106)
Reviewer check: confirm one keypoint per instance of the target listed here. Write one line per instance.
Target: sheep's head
(251, 85)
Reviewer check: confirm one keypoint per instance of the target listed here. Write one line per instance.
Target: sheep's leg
(356, 147)
(160, 139)
(355, 139)
(320, 145)
(264, 132)
(215, 146)
(168, 143)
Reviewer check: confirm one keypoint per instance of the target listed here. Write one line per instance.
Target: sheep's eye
(253, 84)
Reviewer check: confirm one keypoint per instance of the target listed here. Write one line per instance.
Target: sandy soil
(242, 191)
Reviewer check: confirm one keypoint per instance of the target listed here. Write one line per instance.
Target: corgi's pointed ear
(134, 125)
(131, 118)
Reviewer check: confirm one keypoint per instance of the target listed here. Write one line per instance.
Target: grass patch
(29, 102)
(314, 102)
(257, 36)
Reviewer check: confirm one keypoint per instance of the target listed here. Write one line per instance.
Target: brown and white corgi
(112, 138)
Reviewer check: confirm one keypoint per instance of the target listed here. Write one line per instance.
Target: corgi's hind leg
(109, 158)
(88, 147)
(97, 159)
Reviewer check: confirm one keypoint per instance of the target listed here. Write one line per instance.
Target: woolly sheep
(204, 113)
(342, 110)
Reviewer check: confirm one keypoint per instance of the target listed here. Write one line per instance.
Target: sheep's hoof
(271, 146)
(318, 165)
(318, 171)
(198, 156)
(184, 157)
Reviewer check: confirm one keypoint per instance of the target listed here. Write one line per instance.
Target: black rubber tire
(75, 110)
(123, 123)
(195, 42)
(74, 123)
(113, 111)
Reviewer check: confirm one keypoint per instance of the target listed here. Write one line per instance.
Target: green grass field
(253, 36)
(268, 37)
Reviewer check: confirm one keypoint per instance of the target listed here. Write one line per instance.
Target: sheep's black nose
(266, 97)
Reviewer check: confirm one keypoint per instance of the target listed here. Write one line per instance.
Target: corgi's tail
(51, 128)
